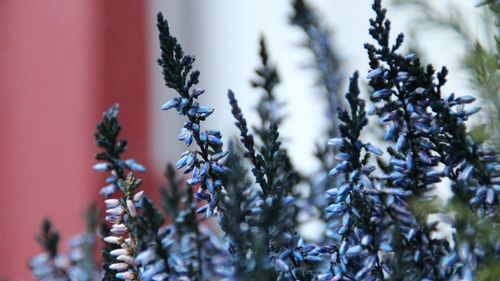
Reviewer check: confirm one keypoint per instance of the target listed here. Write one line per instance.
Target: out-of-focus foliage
(481, 60)
(481, 57)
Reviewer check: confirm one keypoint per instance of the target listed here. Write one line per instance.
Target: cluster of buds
(46, 267)
(121, 213)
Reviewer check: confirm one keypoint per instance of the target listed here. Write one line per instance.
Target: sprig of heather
(272, 174)
(473, 169)
(153, 254)
(206, 164)
(432, 128)
(178, 203)
(358, 219)
(267, 79)
(194, 254)
(422, 121)
(82, 249)
(275, 211)
(160, 255)
(474, 172)
(78, 264)
(121, 212)
(238, 228)
(326, 61)
(327, 64)
(399, 84)
(49, 265)
(268, 108)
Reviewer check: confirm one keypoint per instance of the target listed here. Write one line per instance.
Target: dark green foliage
(240, 195)
(352, 122)
(268, 107)
(106, 137)
(176, 66)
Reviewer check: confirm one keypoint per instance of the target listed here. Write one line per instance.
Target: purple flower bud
(490, 196)
(472, 111)
(422, 127)
(198, 92)
(468, 171)
(424, 157)
(401, 143)
(336, 142)
(108, 190)
(450, 260)
(374, 73)
(397, 162)
(382, 94)
(366, 240)
(465, 99)
(134, 166)
(203, 136)
(101, 167)
(281, 265)
(183, 160)
(354, 251)
(402, 76)
(373, 149)
(386, 247)
(170, 104)
(313, 259)
(410, 57)
(204, 111)
(410, 164)
(214, 140)
(389, 135)
(336, 208)
(219, 156)
(342, 156)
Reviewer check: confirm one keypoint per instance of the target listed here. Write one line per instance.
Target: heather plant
(234, 213)
(327, 65)
(480, 58)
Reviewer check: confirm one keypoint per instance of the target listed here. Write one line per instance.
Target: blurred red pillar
(61, 64)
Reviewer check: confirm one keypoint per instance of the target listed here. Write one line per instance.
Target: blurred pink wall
(61, 64)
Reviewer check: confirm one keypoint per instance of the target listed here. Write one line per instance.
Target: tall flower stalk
(430, 130)
(206, 163)
(121, 198)
(362, 229)
(327, 64)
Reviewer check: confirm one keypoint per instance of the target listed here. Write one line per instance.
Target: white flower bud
(114, 240)
(119, 252)
(111, 203)
(138, 196)
(127, 275)
(131, 208)
(118, 231)
(119, 266)
(118, 211)
(126, 258)
(119, 228)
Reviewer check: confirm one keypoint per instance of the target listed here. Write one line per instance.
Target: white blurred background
(224, 34)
